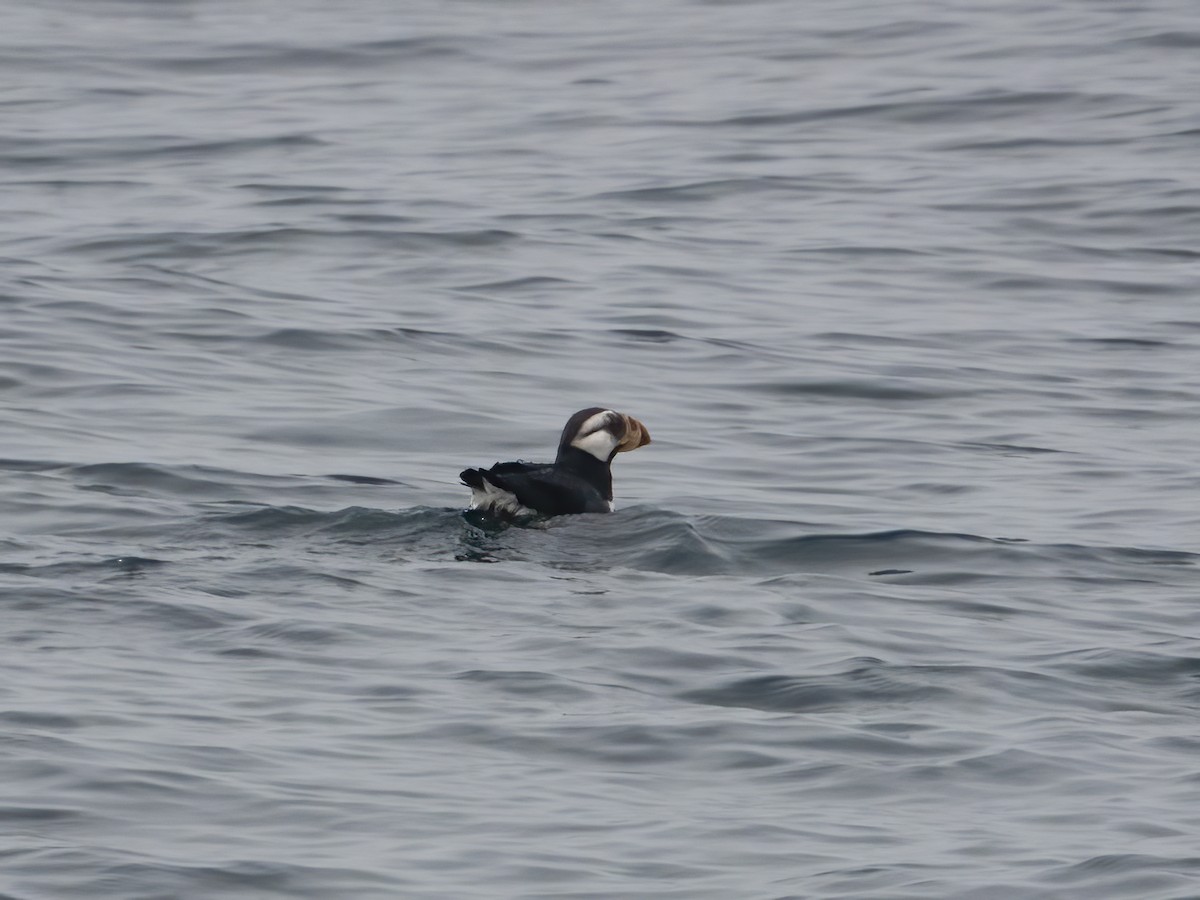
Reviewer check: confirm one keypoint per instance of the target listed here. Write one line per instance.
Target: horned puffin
(578, 481)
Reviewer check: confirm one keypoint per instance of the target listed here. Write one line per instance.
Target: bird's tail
(473, 478)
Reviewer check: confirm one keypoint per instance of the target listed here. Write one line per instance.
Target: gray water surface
(902, 602)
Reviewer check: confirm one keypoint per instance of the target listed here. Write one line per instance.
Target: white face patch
(601, 442)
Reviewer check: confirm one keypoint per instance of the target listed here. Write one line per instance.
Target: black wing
(541, 487)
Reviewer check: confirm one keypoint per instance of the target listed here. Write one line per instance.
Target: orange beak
(636, 435)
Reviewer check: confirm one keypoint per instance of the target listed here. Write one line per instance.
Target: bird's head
(603, 433)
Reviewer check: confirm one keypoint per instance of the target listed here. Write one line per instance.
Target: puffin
(578, 481)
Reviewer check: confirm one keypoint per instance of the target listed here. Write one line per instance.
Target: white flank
(601, 442)
(497, 500)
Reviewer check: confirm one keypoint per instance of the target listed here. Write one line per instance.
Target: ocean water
(902, 602)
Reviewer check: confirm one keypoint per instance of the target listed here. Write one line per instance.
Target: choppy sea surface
(902, 602)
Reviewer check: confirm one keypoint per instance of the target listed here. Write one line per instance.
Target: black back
(549, 489)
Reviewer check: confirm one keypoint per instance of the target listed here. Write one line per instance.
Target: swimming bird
(578, 481)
